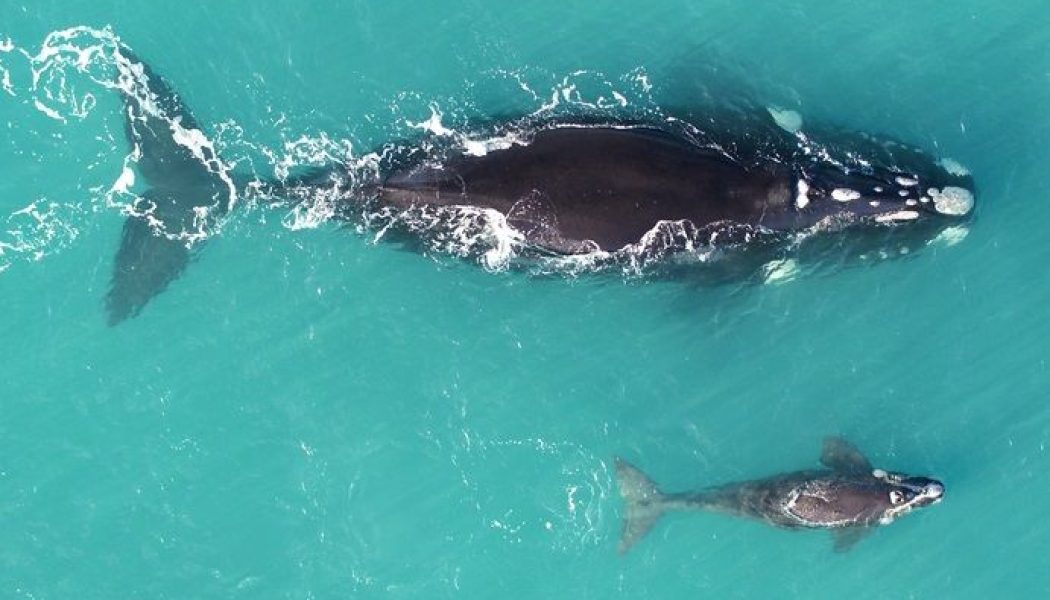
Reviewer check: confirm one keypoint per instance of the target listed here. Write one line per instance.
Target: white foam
(483, 147)
(433, 124)
(124, 182)
(47, 110)
(5, 82)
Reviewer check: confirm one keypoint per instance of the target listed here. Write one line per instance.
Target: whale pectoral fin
(840, 455)
(846, 538)
(532, 214)
(535, 217)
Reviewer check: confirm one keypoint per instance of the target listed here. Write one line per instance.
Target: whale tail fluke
(645, 503)
(145, 263)
(187, 189)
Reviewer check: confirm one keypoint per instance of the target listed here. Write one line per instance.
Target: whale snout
(923, 491)
(952, 201)
(934, 490)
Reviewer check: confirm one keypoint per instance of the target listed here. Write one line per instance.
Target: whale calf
(848, 497)
(569, 187)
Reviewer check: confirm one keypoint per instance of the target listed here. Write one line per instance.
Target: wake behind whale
(566, 191)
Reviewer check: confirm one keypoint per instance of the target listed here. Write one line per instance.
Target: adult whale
(849, 497)
(564, 188)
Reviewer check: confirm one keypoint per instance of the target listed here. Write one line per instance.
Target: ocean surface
(312, 413)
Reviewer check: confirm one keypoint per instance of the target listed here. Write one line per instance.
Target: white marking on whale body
(952, 201)
(910, 202)
(844, 194)
(802, 199)
(907, 181)
(788, 120)
(900, 215)
(874, 203)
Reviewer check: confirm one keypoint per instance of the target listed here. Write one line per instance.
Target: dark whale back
(570, 185)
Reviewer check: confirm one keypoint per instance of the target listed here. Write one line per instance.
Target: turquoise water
(308, 414)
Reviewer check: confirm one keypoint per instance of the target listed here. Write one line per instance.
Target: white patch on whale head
(802, 199)
(952, 201)
(900, 215)
(907, 181)
(844, 194)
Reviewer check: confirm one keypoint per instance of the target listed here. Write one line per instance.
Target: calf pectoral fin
(840, 455)
(846, 538)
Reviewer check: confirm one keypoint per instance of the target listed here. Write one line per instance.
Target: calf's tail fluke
(644, 503)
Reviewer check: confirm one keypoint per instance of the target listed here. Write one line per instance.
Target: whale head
(872, 200)
(917, 190)
(905, 493)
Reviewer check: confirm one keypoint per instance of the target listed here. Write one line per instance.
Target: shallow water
(308, 414)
